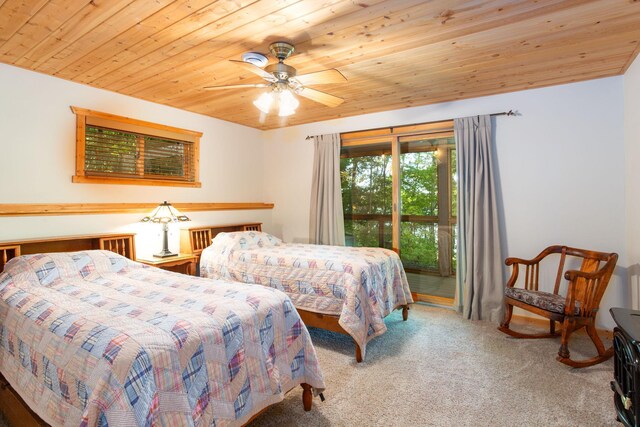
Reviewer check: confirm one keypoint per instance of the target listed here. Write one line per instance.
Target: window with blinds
(119, 150)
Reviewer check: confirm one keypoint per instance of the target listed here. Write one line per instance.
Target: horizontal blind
(117, 153)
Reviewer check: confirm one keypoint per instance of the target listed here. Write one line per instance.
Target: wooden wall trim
(122, 119)
(82, 179)
(40, 209)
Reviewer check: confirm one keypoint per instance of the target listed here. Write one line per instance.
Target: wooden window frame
(86, 117)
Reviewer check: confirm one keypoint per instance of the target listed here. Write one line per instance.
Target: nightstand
(182, 263)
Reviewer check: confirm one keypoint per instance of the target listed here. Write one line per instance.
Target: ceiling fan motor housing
(281, 71)
(281, 50)
(282, 80)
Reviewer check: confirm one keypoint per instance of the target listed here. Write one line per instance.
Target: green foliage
(163, 157)
(366, 185)
(111, 151)
(366, 233)
(419, 245)
(419, 187)
(117, 152)
(367, 188)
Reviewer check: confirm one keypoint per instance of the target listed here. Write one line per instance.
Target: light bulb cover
(263, 103)
(288, 103)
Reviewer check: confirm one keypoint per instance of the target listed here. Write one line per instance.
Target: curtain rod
(504, 113)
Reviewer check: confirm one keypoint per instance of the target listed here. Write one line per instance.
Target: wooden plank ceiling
(394, 53)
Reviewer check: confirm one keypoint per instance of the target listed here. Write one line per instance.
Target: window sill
(132, 181)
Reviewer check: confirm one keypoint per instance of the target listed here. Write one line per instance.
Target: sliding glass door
(413, 214)
(427, 223)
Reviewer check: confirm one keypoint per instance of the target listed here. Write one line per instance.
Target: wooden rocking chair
(575, 310)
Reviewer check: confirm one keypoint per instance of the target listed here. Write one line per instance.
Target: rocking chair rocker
(575, 310)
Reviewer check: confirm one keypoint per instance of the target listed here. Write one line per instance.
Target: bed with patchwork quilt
(94, 339)
(356, 286)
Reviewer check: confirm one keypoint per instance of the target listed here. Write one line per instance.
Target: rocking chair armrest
(572, 275)
(570, 299)
(536, 260)
(515, 263)
(513, 260)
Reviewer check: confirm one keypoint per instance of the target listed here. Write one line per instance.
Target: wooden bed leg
(307, 397)
(358, 353)
(405, 312)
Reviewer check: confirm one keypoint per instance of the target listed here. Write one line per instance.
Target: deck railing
(415, 259)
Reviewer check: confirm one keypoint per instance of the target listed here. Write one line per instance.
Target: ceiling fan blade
(321, 77)
(235, 86)
(321, 97)
(255, 70)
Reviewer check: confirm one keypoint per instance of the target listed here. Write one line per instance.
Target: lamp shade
(165, 213)
(264, 102)
(288, 103)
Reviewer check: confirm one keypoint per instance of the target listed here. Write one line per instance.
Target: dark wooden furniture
(195, 239)
(12, 406)
(182, 263)
(575, 310)
(626, 362)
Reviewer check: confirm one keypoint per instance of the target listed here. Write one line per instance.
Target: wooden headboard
(11, 404)
(123, 244)
(194, 240)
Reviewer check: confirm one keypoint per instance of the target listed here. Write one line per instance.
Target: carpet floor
(439, 370)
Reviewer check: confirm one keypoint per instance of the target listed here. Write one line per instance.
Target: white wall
(37, 161)
(560, 166)
(632, 168)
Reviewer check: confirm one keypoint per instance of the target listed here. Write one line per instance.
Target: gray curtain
(326, 222)
(479, 292)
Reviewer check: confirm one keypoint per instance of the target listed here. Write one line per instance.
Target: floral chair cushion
(543, 300)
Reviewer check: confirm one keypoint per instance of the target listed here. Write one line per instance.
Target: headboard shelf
(121, 243)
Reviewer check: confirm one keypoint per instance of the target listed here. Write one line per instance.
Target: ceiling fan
(283, 81)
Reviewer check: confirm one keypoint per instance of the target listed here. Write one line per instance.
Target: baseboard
(544, 323)
(432, 299)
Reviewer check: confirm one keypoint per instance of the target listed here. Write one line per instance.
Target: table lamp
(164, 214)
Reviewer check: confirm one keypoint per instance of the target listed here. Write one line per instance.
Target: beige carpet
(438, 370)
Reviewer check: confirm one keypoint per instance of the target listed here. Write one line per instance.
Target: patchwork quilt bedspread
(92, 338)
(360, 285)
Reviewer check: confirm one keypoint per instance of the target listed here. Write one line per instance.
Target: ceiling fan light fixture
(263, 103)
(283, 82)
(283, 112)
(288, 103)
